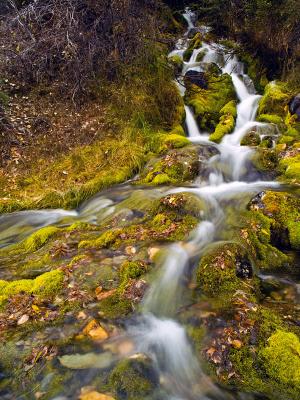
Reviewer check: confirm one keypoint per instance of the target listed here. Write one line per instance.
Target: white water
(161, 337)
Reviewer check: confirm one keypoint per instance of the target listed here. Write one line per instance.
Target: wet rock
(294, 106)
(244, 269)
(256, 203)
(196, 78)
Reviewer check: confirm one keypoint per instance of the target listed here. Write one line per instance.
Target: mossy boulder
(266, 160)
(226, 123)
(283, 209)
(219, 272)
(274, 100)
(176, 166)
(289, 166)
(182, 204)
(33, 242)
(251, 138)
(45, 286)
(253, 230)
(281, 358)
(208, 103)
(134, 378)
(195, 43)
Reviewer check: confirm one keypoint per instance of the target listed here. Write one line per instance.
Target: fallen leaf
(23, 319)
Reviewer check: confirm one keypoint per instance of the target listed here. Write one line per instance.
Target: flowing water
(156, 331)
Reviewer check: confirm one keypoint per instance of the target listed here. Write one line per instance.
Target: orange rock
(93, 395)
(95, 331)
(98, 333)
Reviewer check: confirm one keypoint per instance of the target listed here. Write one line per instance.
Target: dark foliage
(75, 40)
(270, 28)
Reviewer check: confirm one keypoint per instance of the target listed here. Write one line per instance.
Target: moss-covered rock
(253, 230)
(208, 103)
(219, 270)
(44, 286)
(176, 166)
(195, 43)
(33, 242)
(266, 160)
(177, 63)
(281, 358)
(134, 378)
(283, 209)
(289, 166)
(274, 100)
(251, 138)
(227, 121)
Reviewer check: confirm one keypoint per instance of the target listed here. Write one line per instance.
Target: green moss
(201, 55)
(274, 100)
(251, 139)
(286, 139)
(130, 270)
(45, 285)
(281, 358)
(229, 108)
(225, 126)
(162, 179)
(49, 283)
(294, 234)
(115, 306)
(105, 240)
(284, 211)
(252, 229)
(178, 130)
(175, 141)
(133, 379)
(290, 168)
(33, 242)
(176, 166)
(197, 335)
(270, 118)
(187, 54)
(177, 63)
(226, 123)
(195, 43)
(265, 160)
(216, 274)
(182, 204)
(208, 103)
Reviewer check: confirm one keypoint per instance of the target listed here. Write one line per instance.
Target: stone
(294, 106)
(244, 269)
(196, 78)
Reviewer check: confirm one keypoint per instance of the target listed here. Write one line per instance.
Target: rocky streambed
(182, 283)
